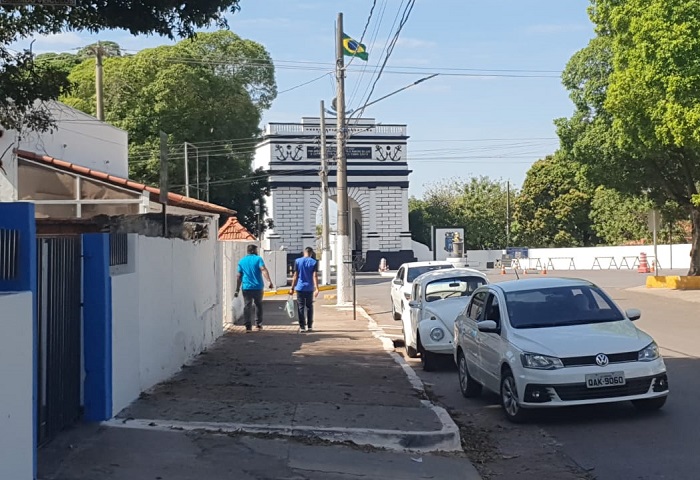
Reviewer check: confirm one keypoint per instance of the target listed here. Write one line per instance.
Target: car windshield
(462, 286)
(415, 272)
(560, 306)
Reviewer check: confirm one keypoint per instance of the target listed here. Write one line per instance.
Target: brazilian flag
(353, 48)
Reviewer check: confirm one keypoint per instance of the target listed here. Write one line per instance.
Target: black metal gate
(59, 309)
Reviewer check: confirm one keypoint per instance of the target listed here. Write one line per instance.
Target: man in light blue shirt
(251, 270)
(305, 283)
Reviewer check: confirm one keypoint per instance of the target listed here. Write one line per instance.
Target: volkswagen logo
(601, 359)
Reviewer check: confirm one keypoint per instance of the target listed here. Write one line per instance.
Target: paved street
(603, 442)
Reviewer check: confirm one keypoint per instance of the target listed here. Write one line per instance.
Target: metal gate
(59, 310)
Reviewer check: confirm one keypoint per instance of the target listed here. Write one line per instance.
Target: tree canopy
(25, 84)
(635, 88)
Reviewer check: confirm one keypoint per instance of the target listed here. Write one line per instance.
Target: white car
(402, 284)
(554, 342)
(436, 300)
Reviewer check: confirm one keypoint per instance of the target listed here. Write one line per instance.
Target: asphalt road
(603, 442)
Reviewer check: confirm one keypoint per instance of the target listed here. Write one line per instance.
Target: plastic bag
(290, 308)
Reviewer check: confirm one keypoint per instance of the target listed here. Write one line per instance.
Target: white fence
(17, 380)
(165, 312)
(590, 258)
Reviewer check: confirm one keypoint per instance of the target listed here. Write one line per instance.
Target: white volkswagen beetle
(437, 298)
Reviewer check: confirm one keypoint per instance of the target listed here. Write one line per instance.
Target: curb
(398, 440)
(272, 293)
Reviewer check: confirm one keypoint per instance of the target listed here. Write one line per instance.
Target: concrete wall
(422, 253)
(165, 312)
(17, 380)
(232, 252)
(584, 258)
(78, 138)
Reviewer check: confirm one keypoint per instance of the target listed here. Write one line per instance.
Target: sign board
(517, 252)
(442, 241)
(357, 153)
(654, 220)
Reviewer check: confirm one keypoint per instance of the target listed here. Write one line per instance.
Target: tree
(477, 205)
(25, 85)
(637, 118)
(108, 49)
(618, 219)
(209, 91)
(552, 209)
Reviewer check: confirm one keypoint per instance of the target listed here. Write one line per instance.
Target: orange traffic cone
(503, 269)
(544, 270)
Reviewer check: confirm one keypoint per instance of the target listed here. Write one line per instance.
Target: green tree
(477, 205)
(63, 62)
(25, 85)
(635, 89)
(552, 209)
(619, 219)
(203, 91)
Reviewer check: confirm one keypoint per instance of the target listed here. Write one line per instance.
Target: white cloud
(553, 28)
(59, 42)
(408, 42)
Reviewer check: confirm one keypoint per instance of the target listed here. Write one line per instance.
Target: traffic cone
(643, 265)
(544, 270)
(503, 269)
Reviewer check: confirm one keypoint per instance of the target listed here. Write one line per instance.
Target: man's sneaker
(302, 329)
(310, 330)
(259, 327)
(248, 329)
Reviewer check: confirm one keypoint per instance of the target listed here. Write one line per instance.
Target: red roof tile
(174, 199)
(233, 230)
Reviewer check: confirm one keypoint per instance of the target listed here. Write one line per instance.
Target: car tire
(428, 359)
(410, 351)
(509, 398)
(467, 385)
(395, 316)
(649, 404)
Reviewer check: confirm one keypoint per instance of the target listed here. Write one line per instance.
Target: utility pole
(208, 178)
(187, 173)
(99, 83)
(325, 237)
(508, 214)
(199, 192)
(342, 237)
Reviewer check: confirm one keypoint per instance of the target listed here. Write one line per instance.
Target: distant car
(436, 300)
(403, 282)
(555, 342)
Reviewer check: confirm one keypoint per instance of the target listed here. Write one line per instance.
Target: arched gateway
(377, 187)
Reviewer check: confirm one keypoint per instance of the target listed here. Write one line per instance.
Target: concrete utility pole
(99, 83)
(208, 178)
(187, 173)
(325, 237)
(508, 214)
(342, 236)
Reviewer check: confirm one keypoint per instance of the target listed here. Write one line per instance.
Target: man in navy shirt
(305, 283)
(251, 269)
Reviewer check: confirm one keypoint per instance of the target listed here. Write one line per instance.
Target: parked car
(437, 298)
(553, 342)
(402, 283)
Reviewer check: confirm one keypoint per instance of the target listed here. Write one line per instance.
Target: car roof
(425, 264)
(537, 283)
(448, 273)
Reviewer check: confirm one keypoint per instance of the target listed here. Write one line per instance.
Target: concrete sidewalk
(338, 384)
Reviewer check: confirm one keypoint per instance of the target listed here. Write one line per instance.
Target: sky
(479, 117)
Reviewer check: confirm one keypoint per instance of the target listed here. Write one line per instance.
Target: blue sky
(459, 126)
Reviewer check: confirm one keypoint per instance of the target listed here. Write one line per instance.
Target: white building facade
(377, 187)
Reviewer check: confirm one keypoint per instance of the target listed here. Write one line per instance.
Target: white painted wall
(584, 257)
(232, 252)
(16, 378)
(78, 138)
(422, 253)
(166, 312)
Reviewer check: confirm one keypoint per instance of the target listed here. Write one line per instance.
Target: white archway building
(377, 187)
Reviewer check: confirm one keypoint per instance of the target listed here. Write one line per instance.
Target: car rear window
(452, 287)
(415, 272)
(560, 306)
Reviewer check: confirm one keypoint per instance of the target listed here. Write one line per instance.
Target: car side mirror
(414, 304)
(633, 314)
(488, 326)
(398, 282)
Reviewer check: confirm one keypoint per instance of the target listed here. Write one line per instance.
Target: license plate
(602, 380)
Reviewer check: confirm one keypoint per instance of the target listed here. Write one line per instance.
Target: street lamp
(257, 221)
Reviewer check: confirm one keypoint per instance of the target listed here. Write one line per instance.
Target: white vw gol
(436, 299)
(555, 342)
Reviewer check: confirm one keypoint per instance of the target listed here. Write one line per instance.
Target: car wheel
(427, 359)
(468, 386)
(649, 404)
(410, 351)
(396, 316)
(509, 398)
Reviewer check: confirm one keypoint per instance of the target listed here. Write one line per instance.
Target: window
(399, 274)
(493, 310)
(452, 287)
(476, 307)
(416, 272)
(560, 306)
(416, 292)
